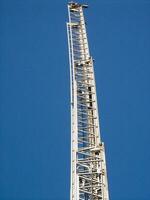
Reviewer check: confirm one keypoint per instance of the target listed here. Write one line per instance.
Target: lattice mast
(88, 166)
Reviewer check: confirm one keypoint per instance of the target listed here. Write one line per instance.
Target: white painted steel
(88, 165)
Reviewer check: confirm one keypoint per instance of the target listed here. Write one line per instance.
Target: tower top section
(73, 5)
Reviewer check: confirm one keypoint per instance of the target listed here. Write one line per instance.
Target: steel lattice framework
(88, 166)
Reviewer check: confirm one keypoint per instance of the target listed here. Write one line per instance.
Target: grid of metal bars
(88, 167)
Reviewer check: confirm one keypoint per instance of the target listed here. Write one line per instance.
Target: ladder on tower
(88, 165)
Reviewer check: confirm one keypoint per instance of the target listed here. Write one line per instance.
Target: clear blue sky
(34, 96)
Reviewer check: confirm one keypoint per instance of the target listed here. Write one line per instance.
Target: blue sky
(34, 96)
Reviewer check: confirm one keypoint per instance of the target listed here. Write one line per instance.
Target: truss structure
(88, 166)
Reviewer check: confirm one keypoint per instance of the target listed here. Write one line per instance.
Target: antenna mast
(88, 166)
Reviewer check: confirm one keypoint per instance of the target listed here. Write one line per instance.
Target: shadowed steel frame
(88, 166)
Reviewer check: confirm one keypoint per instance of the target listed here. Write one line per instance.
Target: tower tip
(75, 5)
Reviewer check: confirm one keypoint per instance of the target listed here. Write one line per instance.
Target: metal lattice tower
(88, 166)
